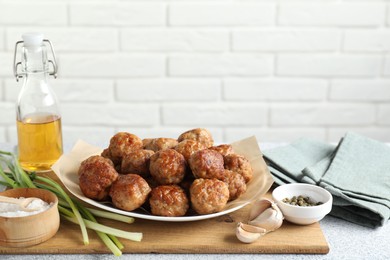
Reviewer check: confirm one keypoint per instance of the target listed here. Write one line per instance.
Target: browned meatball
(137, 162)
(96, 174)
(146, 141)
(223, 149)
(168, 201)
(123, 143)
(129, 192)
(107, 154)
(167, 166)
(238, 163)
(236, 184)
(209, 195)
(158, 144)
(198, 134)
(207, 164)
(188, 147)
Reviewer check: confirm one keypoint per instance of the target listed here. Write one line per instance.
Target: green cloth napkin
(356, 172)
(287, 162)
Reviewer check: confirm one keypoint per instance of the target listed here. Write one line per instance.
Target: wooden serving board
(215, 235)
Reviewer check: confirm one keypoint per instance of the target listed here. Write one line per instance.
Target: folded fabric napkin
(356, 172)
(287, 162)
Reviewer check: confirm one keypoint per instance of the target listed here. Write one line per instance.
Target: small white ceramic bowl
(303, 215)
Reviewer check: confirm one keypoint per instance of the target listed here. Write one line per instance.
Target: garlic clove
(252, 228)
(270, 220)
(248, 234)
(258, 207)
(266, 214)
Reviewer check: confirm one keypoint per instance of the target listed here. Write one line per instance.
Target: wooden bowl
(30, 230)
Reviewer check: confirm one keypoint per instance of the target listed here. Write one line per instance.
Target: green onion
(70, 209)
(110, 215)
(8, 180)
(71, 204)
(109, 230)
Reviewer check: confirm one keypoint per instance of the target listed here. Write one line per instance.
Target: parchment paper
(67, 167)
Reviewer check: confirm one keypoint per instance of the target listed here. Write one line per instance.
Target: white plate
(67, 167)
(145, 215)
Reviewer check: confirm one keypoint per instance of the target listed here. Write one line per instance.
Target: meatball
(137, 162)
(167, 166)
(236, 184)
(158, 144)
(207, 164)
(188, 147)
(209, 195)
(96, 174)
(223, 149)
(123, 143)
(146, 142)
(238, 163)
(107, 154)
(129, 192)
(168, 201)
(198, 134)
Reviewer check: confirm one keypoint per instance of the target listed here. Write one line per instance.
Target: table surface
(346, 241)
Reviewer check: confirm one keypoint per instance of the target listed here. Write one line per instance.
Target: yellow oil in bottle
(39, 141)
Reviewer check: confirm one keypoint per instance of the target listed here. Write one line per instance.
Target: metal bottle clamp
(53, 62)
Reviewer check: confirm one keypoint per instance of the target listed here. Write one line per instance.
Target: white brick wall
(275, 89)
(114, 13)
(18, 13)
(275, 39)
(329, 65)
(176, 40)
(111, 65)
(221, 14)
(323, 114)
(168, 89)
(276, 69)
(220, 65)
(332, 13)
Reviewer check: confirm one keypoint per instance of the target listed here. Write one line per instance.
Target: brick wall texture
(277, 69)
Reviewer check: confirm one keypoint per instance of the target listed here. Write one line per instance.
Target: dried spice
(303, 201)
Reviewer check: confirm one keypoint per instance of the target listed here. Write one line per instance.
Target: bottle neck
(36, 82)
(36, 95)
(34, 60)
(36, 76)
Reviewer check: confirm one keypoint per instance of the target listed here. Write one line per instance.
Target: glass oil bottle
(37, 111)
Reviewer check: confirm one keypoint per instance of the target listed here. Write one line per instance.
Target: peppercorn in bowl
(301, 203)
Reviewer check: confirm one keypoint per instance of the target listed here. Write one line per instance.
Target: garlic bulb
(265, 216)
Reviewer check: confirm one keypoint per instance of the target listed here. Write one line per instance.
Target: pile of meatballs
(171, 177)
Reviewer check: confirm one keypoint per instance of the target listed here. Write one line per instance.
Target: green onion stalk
(70, 209)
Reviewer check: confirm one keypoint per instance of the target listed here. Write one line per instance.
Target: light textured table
(346, 241)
